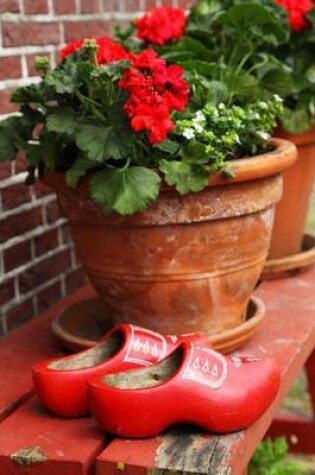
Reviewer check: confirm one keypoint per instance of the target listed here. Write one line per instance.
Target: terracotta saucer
(83, 324)
(290, 265)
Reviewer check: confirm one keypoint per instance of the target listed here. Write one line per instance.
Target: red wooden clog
(194, 385)
(61, 383)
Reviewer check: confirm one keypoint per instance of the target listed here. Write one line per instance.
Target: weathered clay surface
(188, 263)
(291, 211)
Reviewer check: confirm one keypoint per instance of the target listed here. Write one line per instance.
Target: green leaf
(78, 170)
(297, 121)
(113, 70)
(184, 175)
(201, 67)
(101, 142)
(168, 146)
(50, 150)
(7, 150)
(62, 121)
(242, 85)
(194, 152)
(277, 81)
(249, 16)
(217, 92)
(64, 80)
(125, 191)
(185, 49)
(26, 94)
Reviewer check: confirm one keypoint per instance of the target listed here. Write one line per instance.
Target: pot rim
(245, 169)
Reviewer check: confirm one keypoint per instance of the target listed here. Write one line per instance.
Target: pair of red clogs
(136, 383)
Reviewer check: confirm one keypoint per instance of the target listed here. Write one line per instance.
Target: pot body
(188, 263)
(291, 211)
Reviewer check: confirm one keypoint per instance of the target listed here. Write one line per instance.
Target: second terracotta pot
(188, 263)
(291, 211)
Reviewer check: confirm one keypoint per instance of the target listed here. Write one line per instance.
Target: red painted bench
(33, 442)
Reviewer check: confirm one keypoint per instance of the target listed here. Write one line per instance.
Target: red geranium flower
(70, 48)
(174, 88)
(149, 60)
(154, 119)
(297, 9)
(161, 25)
(108, 51)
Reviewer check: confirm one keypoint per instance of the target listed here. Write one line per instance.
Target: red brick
(90, 6)
(44, 270)
(150, 4)
(62, 7)
(85, 29)
(35, 6)
(167, 3)
(131, 5)
(74, 280)
(5, 105)
(17, 255)
(9, 6)
(19, 314)
(15, 195)
(20, 223)
(19, 34)
(40, 190)
(5, 170)
(46, 242)
(66, 235)
(52, 212)
(10, 67)
(49, 296)
(6, 292)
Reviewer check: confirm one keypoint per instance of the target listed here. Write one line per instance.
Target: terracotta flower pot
(188, 263)
(291, 211)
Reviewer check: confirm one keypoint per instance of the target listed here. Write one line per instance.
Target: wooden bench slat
(25, 347)
(287, 334)
(34, 442)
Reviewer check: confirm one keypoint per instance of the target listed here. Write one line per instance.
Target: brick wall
(37, 261)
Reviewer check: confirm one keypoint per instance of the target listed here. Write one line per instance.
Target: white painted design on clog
(145, 347)
(206, 367)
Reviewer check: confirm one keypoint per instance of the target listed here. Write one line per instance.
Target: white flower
(263, 135)
(263, 105)
(277, 98)
(200, 117)
(189, 133)
(197, 126)
(221, 106)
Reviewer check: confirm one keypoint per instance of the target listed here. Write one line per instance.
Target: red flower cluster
(161, 25)
(297, 9)
(155, 90)
(108, 51)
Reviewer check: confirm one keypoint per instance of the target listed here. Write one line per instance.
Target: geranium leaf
(244, 16)
(297, 121)
(62, 121)
(125, 191)
(242, 85)
(101, 142)
(78, 170)
(65, 80)
(7, 150)
(168, 146)
(184, 175)
(277, 81)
